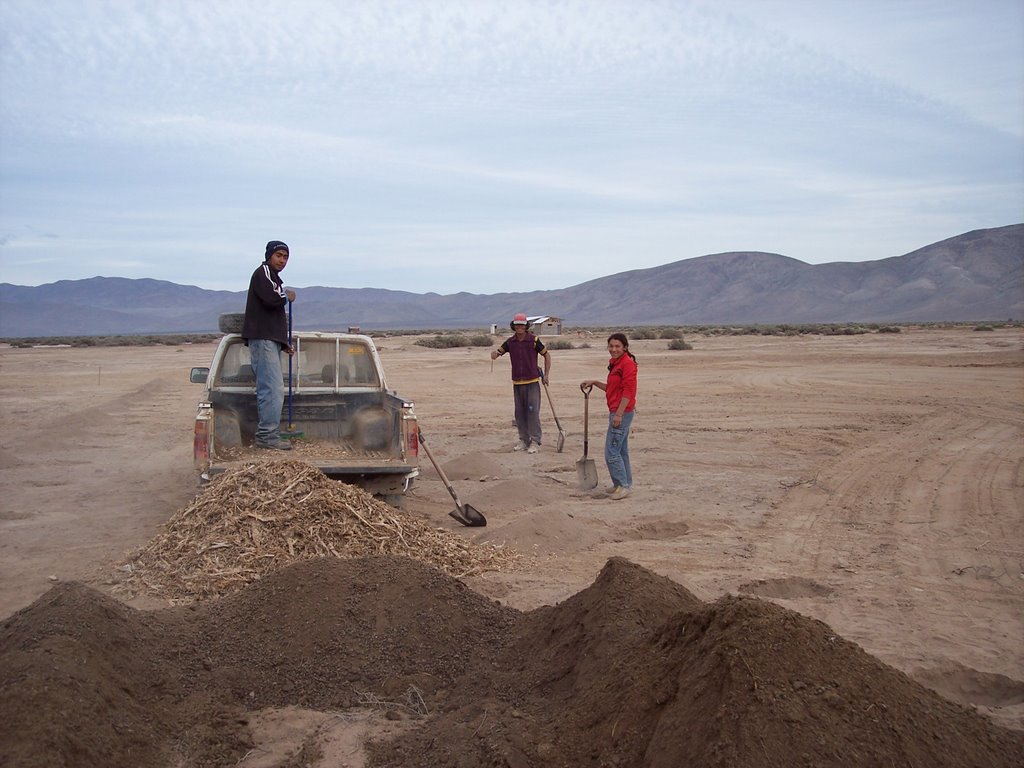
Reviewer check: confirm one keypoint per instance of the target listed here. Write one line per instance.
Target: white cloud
(568, 135)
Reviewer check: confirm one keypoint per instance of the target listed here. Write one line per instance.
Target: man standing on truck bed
(523, 349)
(265, 330)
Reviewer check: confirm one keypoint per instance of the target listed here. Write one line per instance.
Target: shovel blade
(468, 516)
(586, 474)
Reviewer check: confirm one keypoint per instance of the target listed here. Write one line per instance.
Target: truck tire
(231, 322)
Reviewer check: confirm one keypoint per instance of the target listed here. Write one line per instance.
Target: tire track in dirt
(888, 519)
(94, 475)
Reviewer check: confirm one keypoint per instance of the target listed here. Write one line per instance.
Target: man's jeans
(266, 364)
(616, 450)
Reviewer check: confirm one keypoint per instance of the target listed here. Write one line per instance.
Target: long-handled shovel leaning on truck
(291, 433)
(464, 513)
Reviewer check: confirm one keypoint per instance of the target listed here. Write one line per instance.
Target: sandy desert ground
(874, 482)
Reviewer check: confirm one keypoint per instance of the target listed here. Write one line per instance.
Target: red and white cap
(519, 319)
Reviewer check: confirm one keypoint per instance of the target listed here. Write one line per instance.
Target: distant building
(540, 325)
(544, 325)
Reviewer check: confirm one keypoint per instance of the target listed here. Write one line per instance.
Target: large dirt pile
(633, 671)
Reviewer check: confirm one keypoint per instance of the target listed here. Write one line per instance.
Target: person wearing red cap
(523, 349)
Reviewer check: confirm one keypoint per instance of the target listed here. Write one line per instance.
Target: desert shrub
(644, 333)
(446, 341)
(452, 340)
(671, 333)
(889, 329)
(113, 341)
(984, 328)
(679, 344)
(558, 344)
(585, 345)
(843, 330)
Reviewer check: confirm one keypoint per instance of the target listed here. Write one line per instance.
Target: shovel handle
(586, 418)
(552, 404)
(440, 472)
(464, 513)
(291, 345)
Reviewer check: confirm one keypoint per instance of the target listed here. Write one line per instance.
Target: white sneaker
(520, 446)
(533, 448)
(619, 493)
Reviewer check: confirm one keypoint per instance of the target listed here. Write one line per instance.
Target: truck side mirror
(199, 375)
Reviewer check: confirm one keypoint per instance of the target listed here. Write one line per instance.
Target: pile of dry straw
(261, 517)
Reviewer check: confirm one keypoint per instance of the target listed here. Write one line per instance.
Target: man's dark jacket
(265, 316)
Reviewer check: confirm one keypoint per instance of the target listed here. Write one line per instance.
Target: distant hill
(973, 277)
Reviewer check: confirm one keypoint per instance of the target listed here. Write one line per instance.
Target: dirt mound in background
(634, 670)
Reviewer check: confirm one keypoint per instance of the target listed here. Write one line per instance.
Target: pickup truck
(353, 428)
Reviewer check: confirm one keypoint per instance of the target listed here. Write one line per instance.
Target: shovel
(586, 470)
(291, 434)
(464, 513)
(561, 432)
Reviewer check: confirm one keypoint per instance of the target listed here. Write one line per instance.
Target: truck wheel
(231, 322)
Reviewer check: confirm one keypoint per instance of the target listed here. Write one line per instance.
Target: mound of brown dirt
(632, 671)
(89, 681)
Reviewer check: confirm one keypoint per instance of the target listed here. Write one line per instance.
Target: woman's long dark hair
(625, 343)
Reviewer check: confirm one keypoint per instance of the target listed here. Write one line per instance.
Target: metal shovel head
(586, 474)
(468, 516)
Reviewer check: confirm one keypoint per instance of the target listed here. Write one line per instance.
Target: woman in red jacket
(620, 392)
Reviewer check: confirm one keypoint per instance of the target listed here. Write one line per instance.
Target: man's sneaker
(277, 445)
(619, 493)
(520, 446)
(533, 448)
(611, 489)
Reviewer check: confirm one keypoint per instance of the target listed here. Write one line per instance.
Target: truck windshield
(235, 368)
(326, 362)
(316, 363)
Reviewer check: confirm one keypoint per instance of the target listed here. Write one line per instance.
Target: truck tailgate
(336, 466)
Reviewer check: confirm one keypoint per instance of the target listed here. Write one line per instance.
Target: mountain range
(976, 276)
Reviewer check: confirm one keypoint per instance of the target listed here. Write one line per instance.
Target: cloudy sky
(490, 146)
